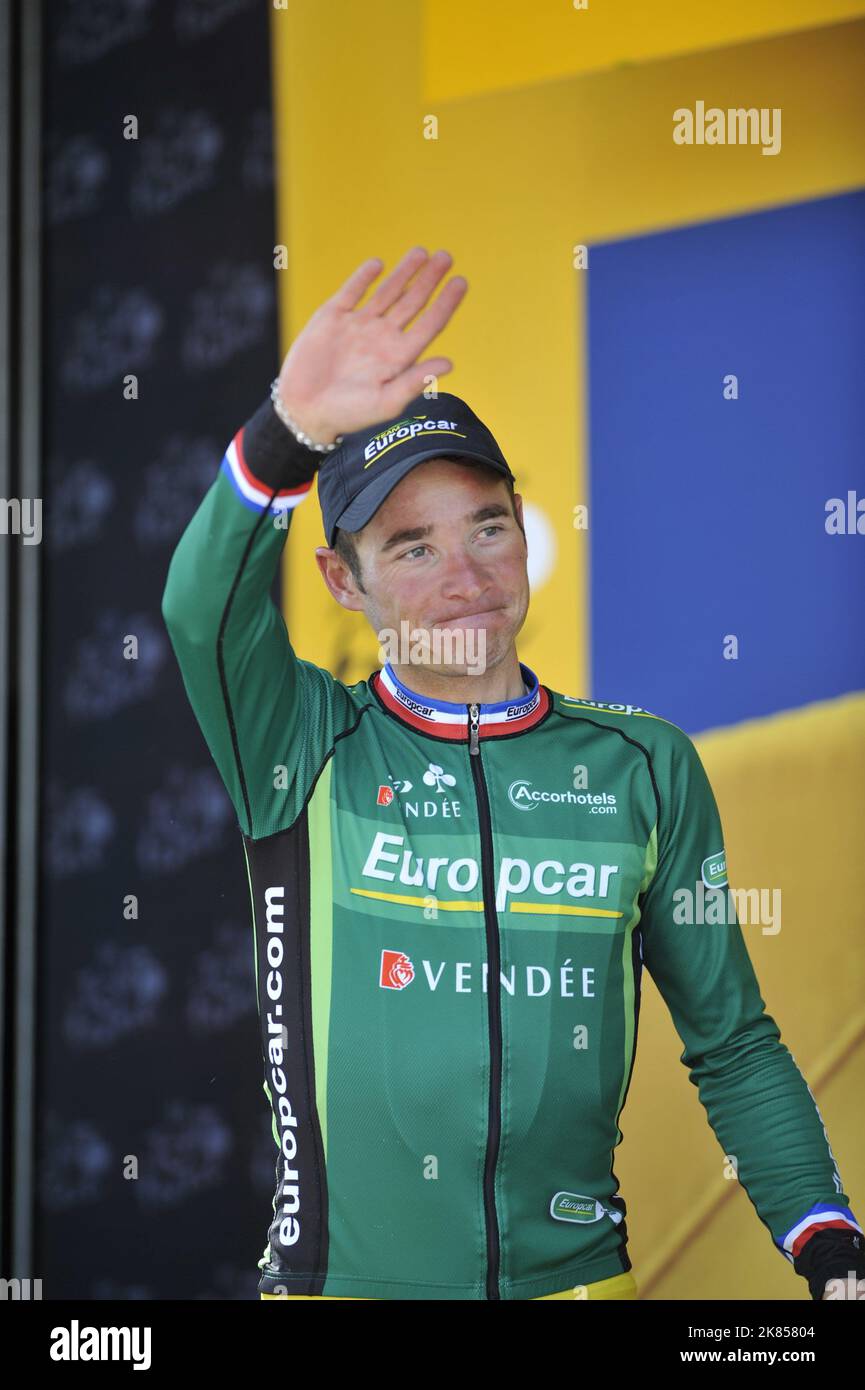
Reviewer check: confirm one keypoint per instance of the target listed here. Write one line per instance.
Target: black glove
(830, 1254)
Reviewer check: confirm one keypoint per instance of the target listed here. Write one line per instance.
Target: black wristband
(830, 1254)
(273, 454)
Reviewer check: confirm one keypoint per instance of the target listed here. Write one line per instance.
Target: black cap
(357, 477)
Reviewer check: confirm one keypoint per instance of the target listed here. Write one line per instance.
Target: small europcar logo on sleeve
(714, 870)
(397, 970)
(573, 1206)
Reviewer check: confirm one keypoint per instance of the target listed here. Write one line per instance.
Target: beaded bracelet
(295, 429)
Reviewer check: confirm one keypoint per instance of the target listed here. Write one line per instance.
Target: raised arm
(269, 718)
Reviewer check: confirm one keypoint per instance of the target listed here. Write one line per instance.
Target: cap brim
(363, 507)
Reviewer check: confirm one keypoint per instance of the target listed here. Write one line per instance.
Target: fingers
(418, 291)
(392, 286)
(404, 295)
(352, 291)
(412, 381)
(430, 323)
(433, 366)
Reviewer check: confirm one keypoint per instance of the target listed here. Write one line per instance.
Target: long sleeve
(268, 717)
(756, 1099)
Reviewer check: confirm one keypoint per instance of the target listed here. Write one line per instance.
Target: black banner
(155, 1159)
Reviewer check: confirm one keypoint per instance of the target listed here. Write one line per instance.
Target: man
(457, 874)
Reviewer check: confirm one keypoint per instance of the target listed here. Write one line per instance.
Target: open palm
(352, 367)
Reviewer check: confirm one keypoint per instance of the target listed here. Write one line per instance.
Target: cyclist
(457, 874)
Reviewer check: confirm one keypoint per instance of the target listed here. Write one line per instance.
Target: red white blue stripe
(251, 491)
(448, 719)
(823, 1216)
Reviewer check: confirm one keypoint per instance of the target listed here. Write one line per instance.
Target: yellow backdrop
(554, 130)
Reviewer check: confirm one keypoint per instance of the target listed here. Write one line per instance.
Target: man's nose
(465, 577)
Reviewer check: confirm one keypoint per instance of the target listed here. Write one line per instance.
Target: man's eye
(408, 554)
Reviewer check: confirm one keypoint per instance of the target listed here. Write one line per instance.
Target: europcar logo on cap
(406, 430)
(573, 1206)
(714, 870)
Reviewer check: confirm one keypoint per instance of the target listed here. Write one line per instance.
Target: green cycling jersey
(452, 908)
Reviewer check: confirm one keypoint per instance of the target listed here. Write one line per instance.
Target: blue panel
(707, 516)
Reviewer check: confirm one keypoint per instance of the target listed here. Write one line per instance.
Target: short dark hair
(345, 542)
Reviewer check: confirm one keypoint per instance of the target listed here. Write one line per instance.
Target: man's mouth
(481, 616)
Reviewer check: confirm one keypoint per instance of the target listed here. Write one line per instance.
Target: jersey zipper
(494, 1008)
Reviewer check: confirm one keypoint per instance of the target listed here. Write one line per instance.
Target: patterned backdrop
(155, 1156)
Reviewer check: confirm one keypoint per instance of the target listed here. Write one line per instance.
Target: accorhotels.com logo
(526, 797)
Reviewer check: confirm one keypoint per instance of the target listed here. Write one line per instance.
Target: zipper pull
(475, 721)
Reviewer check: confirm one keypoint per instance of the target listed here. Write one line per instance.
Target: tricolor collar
(447, 719)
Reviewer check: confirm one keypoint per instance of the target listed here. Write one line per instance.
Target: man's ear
(518, 507)
(338, 578)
